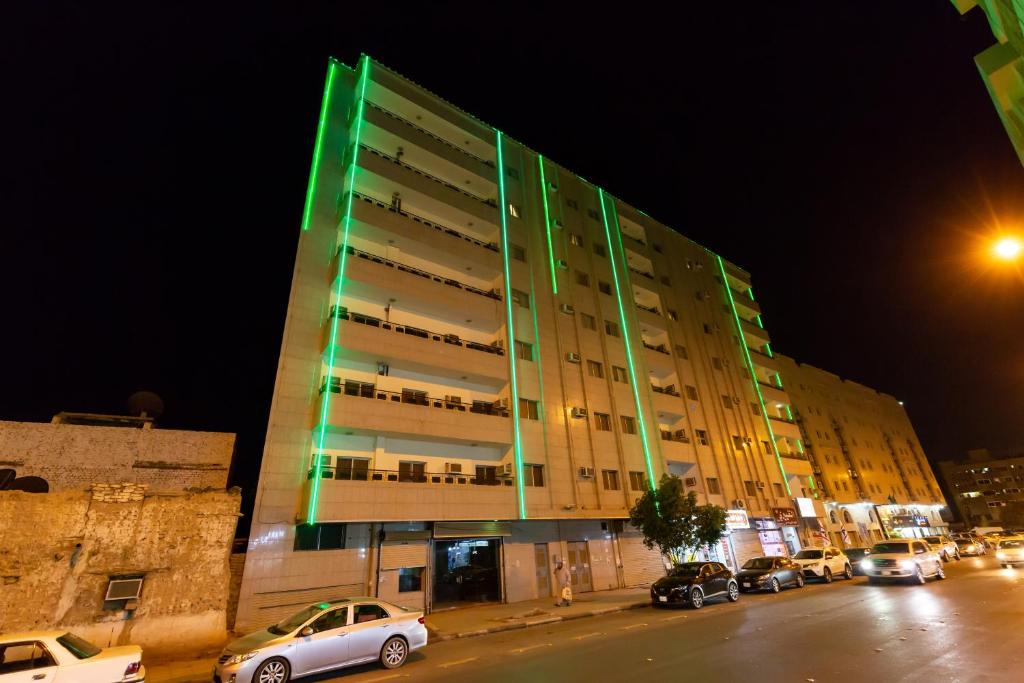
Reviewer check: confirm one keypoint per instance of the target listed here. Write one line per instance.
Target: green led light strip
(547, 223)
(753, 376)
(626, 336)
(307, 212)
(517, 446)
(314, 494)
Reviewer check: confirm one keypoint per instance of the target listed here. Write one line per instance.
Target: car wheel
(394, 652)
(775, 586)
(274, 670)
(919, 575)
(957, 555)
(696, 598)
(827, 575)
(940, 573)
(945, 556)
(800, 581)
(733, 591)
(848, 572)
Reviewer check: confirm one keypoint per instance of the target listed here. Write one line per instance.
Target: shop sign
(785, 516)
(806, 506)
(736, 519)
(899, 521)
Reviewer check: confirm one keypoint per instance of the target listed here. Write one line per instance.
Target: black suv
(691, 583)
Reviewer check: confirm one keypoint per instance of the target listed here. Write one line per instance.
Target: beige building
(871, 472)
(486, 360)
(987, 489)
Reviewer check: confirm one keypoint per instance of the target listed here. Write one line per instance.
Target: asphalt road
(969, 627)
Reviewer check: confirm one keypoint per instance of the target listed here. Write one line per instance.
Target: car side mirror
(308, 631)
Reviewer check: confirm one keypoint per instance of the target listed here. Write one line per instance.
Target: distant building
(1002, 65)
(987, 489)
(130, 538)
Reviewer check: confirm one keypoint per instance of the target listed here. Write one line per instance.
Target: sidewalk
(447, 625)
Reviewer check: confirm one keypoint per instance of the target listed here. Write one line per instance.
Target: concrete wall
(74, 456)
(58, 552)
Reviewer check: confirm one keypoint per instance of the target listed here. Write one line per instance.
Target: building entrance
(466, 571)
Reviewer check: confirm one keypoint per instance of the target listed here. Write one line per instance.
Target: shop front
(466, 564)
(910, 522)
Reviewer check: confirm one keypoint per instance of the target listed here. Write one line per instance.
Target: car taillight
(422, 620)
(132, 669)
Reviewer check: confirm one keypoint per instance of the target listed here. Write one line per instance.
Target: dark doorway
(466, 571)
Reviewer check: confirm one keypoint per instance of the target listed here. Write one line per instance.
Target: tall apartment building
(1002, 65)
(486, 361)
(870, 470)
(987, 488)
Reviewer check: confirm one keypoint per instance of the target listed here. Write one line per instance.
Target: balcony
(783, 427)
(641, 273)
(734, 272)
(763, 360)
(754, 333)
(747, 308)
(660, 348)
(649, 309)
(668, 404)
(362, 409)
(796, 464)
(773, 394)
(370, 340)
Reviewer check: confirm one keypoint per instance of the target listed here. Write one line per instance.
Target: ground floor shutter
(640, 566)
(746, 544)
(399, 555)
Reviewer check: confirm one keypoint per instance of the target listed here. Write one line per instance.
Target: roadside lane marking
(520, 650)
(588, 635)
(626, 628)
(678, 616)
(457, 662)
(385, 678)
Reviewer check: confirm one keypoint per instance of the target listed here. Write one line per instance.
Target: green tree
(673, 521)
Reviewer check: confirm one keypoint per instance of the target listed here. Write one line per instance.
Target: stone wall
(58, 552)
(74, 456)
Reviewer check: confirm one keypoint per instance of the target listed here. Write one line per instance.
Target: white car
(824, 563)
(945, 546)
(322, 637)
(62, 657)
(908, 558)
(1010, 551)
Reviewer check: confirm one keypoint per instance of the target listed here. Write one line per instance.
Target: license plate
(891, 573)
(746, 585)
(662, 598)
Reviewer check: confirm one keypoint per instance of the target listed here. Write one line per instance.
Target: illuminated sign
(806, 506)
(786, 516)
(736, 519)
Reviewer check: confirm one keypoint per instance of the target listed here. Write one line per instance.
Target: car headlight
(238, 659)
(907, 564)
(970, 548)
(865, 564)
(1000, 555)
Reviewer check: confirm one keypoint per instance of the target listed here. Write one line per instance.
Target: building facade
(987, 489)
(1002, 65)
(870, 470)
(486, 361)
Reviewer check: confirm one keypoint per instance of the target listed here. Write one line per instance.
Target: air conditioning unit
(501, 404)
(579, 412)
(760, 485)
(561, 264)
(506, 470)
(585, 472)
(739, 504)
(690, 481)
(567, 308)
(572, 357)
(453, 468)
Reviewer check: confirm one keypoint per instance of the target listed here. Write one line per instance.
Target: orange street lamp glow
(1008, 248)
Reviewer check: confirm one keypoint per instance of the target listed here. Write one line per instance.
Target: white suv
(902, 558)
(945, 546)
(824, 563)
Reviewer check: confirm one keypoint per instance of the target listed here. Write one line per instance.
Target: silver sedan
(321, 637)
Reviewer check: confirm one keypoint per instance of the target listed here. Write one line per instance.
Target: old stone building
(130, 545)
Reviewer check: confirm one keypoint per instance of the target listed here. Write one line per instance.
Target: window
(517, 252)
(528, 409)
(637, 481)
(412, 471)
(726, 402)
(602, 422)
(766, 447)
(588, 321)
(524, 351)
(410, 579)
(533, 475)
(777, 489)
(716, 362)
(754, 408)
(595, 369)
(513, 210)
(691, 393)
(672, 315)
(336, 618)
(604, 287)
(25, 656)
(611, 329)
(594, 214)
(611, 479)
(512, 172)
(737, 442)
(521, 298)
(681, 352)
(599, 250)
(707, 328)
(666, 281)
(846, 517)
(749, 487)
(354, 469)
(628, 424)
(582, 278)
(713, 486)
(575, 240)
(366, 613)
(319, 536)
(702, 436)
(845, 487)
(572, 204)
(619, 374)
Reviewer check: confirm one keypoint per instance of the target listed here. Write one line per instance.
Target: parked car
(693, 583)
(945, 546)
(824, 563)
(769, 573)
(969, 547)
(59, 656)
(310, 641)
(855, 555)
(1010, 551)
(909, 558)
(992, 538)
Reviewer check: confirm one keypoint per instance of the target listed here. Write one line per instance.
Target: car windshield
(964, 541)
(856, 553)
(688, 569)
(890, 548)
(808, 555)
(79, 647)
(1015, 543)
(934, 540)
(286, 626)
(759, 563)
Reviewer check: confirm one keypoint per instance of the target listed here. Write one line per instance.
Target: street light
(1007, 248)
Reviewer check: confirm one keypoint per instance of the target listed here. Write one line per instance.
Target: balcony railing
(670, 390)
(429, 223)
(660, 348)
(770, 385)
(418, 171)
(778, 418)
(493, 294)
(409, 477)
(793, 454)
(342, 313)
(419, 398)
(426, 132)
(649, 309)
(642, 272)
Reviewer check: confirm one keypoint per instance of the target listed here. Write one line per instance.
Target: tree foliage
(672, 521)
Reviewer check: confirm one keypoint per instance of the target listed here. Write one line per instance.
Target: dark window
(702, 436)
(412, 471)
(713, 486)
(602, 422)
(575, 240)
(524, 351)
(637, 481)
(619, 374)
(691, 393)
(328, 536)
(352, 469)
(681, 352)
(517, 252)
(611, 479)
(521, 298)
(716, 362)
(707, 328)
(656, 247)
(600, 250)
(737, 442)
(754, 408)
(582, 278)
(336, 618)
(595, 369)
(604, 287)
(512, 172)
(528, 409)
(628, 424)
(726, 402)
(594, 214)
(611, 329)
(366, 613)
(533, 475)
(666, 281)
(588, 322)
(410, 579)
(777, 488)
(749, 486)
(571, 203)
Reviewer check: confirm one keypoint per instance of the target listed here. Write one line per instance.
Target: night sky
(847, 154)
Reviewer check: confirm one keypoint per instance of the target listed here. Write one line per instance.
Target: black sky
(847, 154)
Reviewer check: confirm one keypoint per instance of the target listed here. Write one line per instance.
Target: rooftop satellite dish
(29, 485)
(146, 404)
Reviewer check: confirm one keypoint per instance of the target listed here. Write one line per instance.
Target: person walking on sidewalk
(564, 582)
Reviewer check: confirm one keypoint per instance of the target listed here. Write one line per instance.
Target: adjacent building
(486, 360)
(1002, 65)
(987, 489)
(870, 470)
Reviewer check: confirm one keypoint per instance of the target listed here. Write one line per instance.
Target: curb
(438, 636)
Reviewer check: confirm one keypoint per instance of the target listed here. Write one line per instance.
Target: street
(966, 628)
